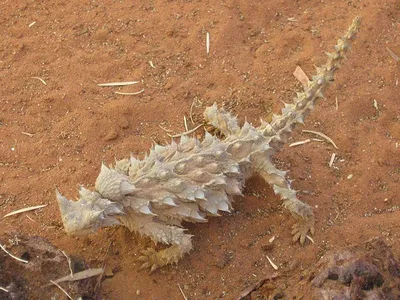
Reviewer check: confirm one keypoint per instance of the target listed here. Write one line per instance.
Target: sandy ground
(56, 134)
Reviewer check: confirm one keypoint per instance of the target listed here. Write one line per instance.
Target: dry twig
(69, 263)
(299, 143)
(64, 291)
(96, 287)
(183, 294)
(310, 238)
(118, 83)
(16, 258)
(165, 129)
(392, 54)
(79, 275)
(322, 135)
(129, 94)
(3, 289)
(185, 133)
(191, 109)
(30, 219)
(318, 140)
(185, 123)
(332, 160)
(208, 42)
(191, 112)
(41, 80)
(272, 263)
(27, 133)
(22, 210)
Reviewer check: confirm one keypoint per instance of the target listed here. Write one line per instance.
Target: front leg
(159, 232)
(301, 211)
(155, 259)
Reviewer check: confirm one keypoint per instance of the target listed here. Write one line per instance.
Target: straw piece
(322, 135)
(16, 258)
(129, 94)
(118, 83)
(22, 210)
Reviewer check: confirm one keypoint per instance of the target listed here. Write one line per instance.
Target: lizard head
(88, 214)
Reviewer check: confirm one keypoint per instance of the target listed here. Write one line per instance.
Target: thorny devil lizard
(194, 179)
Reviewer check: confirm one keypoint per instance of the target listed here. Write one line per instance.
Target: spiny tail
(303, 104)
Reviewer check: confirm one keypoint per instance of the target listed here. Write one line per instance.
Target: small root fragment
(129, 94)
(13, 256)
(183, 294)
(299, 143)
(322, 135)
(310, 238)
(208, 42)
(186, 132)
(332, 160)
(272, 263)
(392, 54)
(118, 83)
(64, 291)
(165, 129)
(40, 79)
(27, 133)
(22, 210)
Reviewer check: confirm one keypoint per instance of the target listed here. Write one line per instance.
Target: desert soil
(57, 134)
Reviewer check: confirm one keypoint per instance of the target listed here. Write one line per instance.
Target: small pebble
(111, 135)
(267, 247)
(123, 123)
(350, 176)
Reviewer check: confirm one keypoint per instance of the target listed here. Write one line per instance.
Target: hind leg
(301, 211)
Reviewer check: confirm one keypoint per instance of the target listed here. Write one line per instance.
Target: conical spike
(98, 214)
(189, 195)
(275, 117)
(64, 204)
(199, 194)
(103, 168)
(223, 206)
(320, 70)
(126, 187)
(169, 201)
(146, 210)
(300, 120)
(195, 215)
(184, 139)
(158, 148)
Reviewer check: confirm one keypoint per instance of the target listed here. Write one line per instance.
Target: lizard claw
(302, 228)
(149, 259)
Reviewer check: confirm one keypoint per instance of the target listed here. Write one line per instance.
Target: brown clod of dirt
(364, 271)
(45, 262)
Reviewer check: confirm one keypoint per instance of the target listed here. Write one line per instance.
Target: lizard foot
(149, 259)
(155, 259)
(302, 228)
